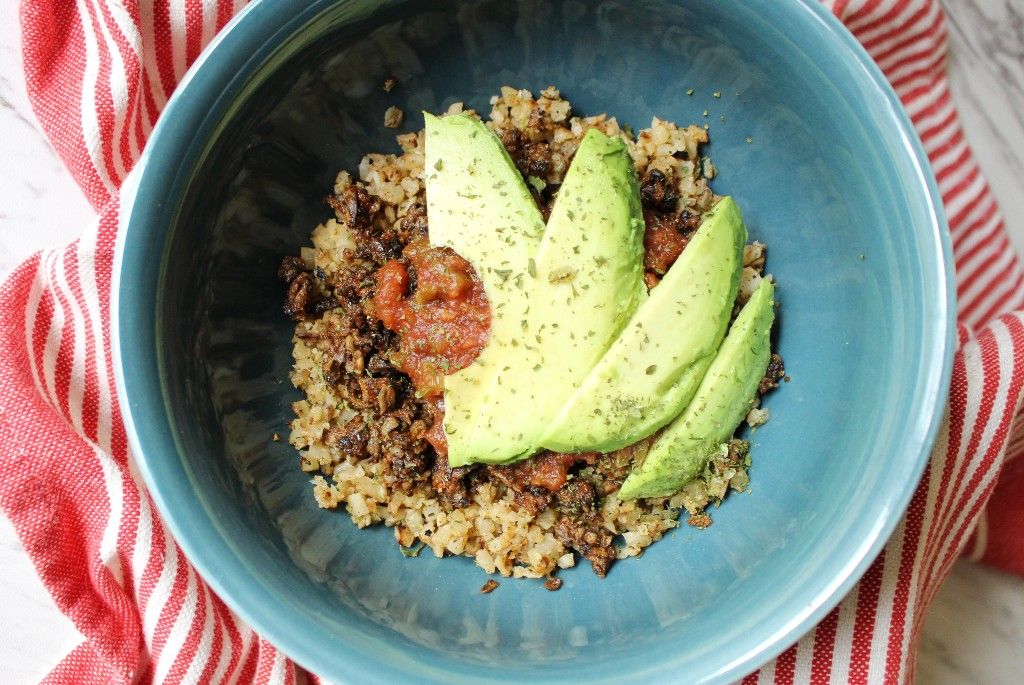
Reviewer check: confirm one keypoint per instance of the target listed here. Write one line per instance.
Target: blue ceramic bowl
(835, 181)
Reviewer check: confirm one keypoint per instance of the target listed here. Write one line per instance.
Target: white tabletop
(974, 632)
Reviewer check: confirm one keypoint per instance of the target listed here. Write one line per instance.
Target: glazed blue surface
(833, 180)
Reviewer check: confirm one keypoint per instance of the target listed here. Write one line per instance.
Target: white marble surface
(974, 632)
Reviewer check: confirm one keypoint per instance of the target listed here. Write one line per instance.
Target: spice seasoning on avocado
(561, 275)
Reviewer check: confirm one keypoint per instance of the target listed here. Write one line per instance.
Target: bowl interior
(804, 138)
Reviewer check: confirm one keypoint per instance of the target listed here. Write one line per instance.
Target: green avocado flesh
(478, 205)
(557, 301)
(590, 276)
(651, 371)
(724, 397)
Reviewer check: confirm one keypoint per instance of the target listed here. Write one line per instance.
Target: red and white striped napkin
(98, 74)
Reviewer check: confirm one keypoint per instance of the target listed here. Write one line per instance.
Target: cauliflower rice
(492, 526)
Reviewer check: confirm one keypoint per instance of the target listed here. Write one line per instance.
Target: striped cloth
(99, 72)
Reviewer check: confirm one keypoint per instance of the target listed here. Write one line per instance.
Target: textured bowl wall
(234, 178)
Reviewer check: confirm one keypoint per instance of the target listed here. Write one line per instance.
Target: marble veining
(987, 77)
(974, 631)
(40, 206)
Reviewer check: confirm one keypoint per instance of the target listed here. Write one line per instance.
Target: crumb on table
(489, 586)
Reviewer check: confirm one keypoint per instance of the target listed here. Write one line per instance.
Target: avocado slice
(724, 397)
(650, 372)
(581, 285)
(479, 205)
(589, 268)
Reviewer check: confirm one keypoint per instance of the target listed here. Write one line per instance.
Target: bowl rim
(140, 411)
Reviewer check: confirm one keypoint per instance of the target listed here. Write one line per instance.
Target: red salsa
(663, 243)
(442, 322)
